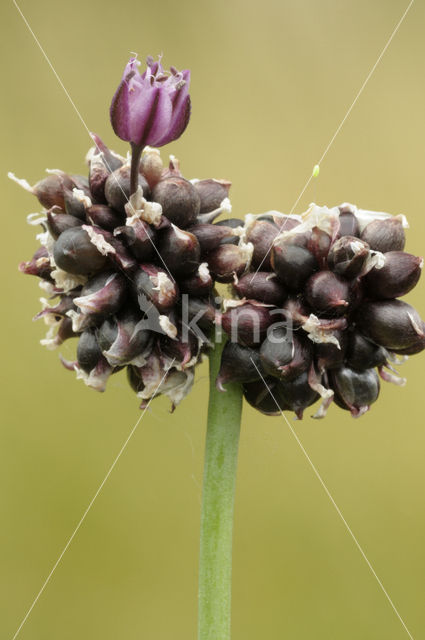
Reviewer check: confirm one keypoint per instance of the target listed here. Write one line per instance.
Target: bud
(179, 200)
(354, 390)
(296, 394)
(363, 354)
(117, 188)
(140, 238)
(135, 379)
(330, 355)
(103, 216)
(348, 223)
(101, 164)
(319, 244)
(201, 311)
(247, 323)
(262, 234)
(397, 277)
(155, 284)
(262, 286)
(123, 338)
(293, 264)
(327, 293)
(210, 236)
(199, 283)
(111, 246)
(211, 193)
(184, 352)
(257, 394)
(180, 251)
(277, 350)
(348, 256)
(74, 252)
(233, 223)
(57, 222)
(88, 351)
(39, 265)
(385, 235)
(50, 190)
(393, 324)
(75, 203)
(102, 295)
(238, 364)
(226, 261)
(152, 108)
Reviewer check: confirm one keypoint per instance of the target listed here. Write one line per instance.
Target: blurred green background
(271, 81)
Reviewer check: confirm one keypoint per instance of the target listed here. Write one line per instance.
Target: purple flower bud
(102, 295)
(258, 396)
(319, 244)
(180, 251)
(152, 108)
(210, 236)
(238, 364)
(117, 188)
(199, 283)
(74, 252)
(330, 355)
(277, 350)
(155, 284)
(327, 293)
(247, 323)
(348, 223)
(139, 237)
(50, 190)
(393, 324)
(262, 234)
(39, 265)
(112, 247)
(103, 216)
(385, 235)
(179, 200)
(183, 351)
(57, 222)
(212, 193)
(293, 264)
(226, 261)
(123, 338)
(347, 256)
(397, 277)
(88, 351)
(354, 390)
(285, 355)
(262, 286)
(363, 354)
(296, 394)
(74, 204)
(102, 163)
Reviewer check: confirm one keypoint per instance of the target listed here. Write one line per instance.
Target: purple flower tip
(152, 108)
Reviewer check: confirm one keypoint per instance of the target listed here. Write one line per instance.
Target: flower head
(152, 108)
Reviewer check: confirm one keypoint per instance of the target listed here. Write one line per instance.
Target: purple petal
(181, 112)
(151, 113)
(119, 112)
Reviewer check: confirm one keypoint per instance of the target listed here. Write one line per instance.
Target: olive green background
(271, 81)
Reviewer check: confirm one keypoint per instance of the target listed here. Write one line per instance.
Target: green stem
(136, 152)
(221, 453)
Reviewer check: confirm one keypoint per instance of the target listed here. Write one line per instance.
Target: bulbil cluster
(319, 313)
(130, 272)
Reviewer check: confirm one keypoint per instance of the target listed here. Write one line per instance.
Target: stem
(221, 453)
(136, 152)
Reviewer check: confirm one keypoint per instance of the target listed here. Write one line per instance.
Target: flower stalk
(221, 452)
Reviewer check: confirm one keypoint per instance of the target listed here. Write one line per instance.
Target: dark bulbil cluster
(318, 313)
(120, 268)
